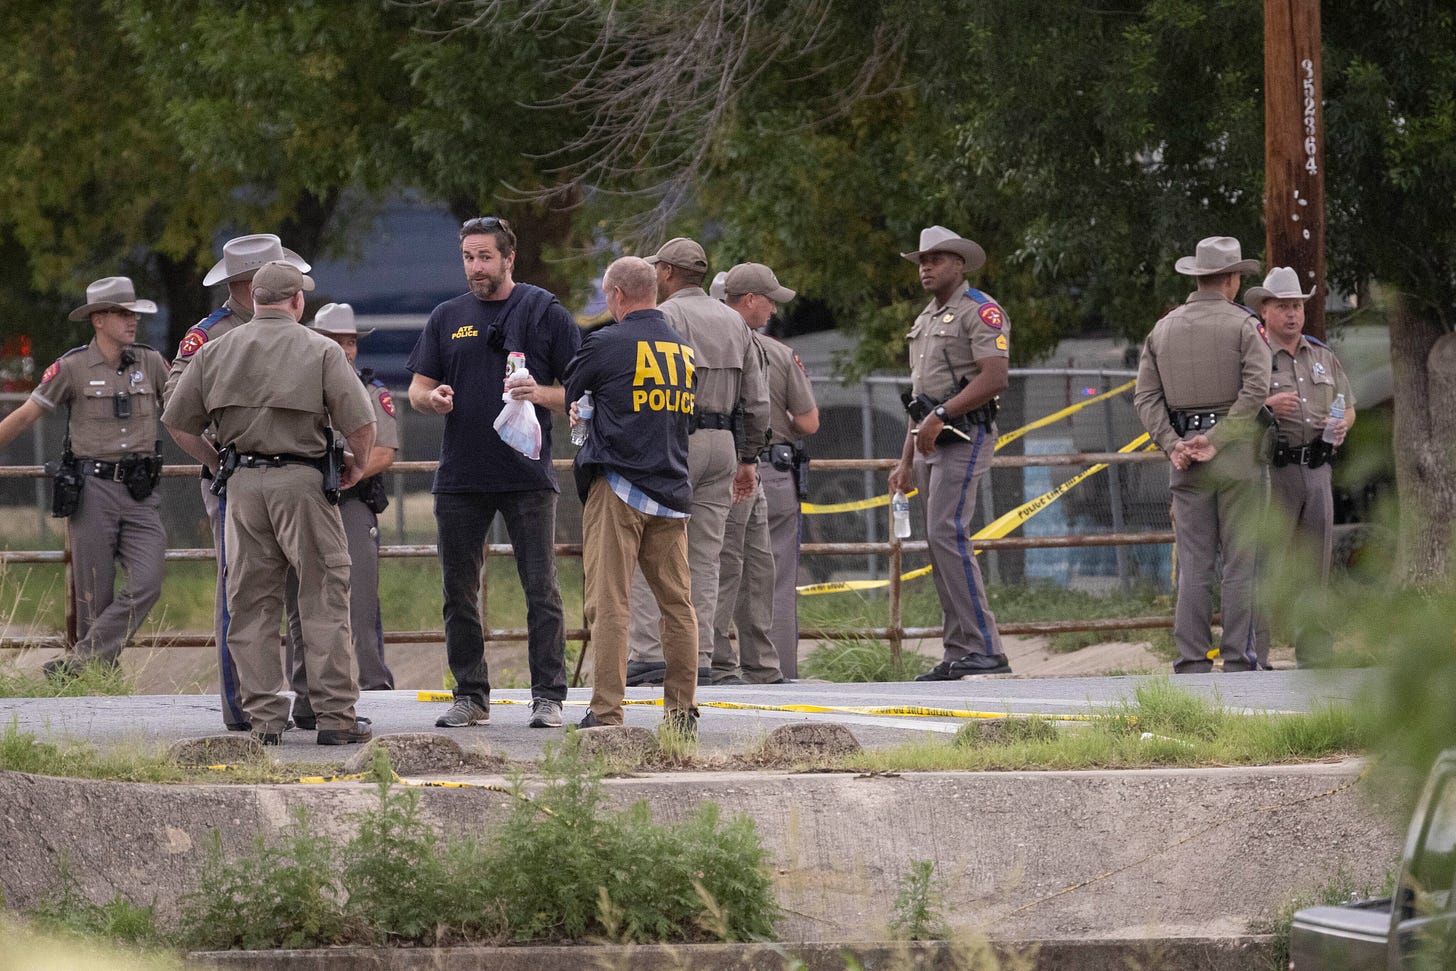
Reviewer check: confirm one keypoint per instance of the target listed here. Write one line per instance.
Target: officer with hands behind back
(107, 477)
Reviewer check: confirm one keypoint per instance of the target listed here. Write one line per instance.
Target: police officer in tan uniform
(112, 391)
(1201, 383)
(1306, 378)
(359, 506)
(272, 390)
(722, 464)
(241, 258)
(959, 358)
(760, 563)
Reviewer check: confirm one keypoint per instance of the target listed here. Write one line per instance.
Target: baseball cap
(682, 252)
(756, 278)
(282, 278)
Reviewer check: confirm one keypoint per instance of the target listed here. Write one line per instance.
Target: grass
(92, 679)
(1161, 726)
(862, 660)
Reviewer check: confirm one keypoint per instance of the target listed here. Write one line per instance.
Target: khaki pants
(616, 540)
(278, 518)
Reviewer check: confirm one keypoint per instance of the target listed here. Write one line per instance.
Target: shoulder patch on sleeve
(992, 316)
(799, 363)
(50, 372)
(192, 342)
(1263, 334)
(1001, 343)
(386, 400)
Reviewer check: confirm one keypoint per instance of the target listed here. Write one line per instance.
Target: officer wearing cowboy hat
(1202, 381)
(112, 391)
(959, 355)
(1306, 379)
(241, 258)
(359, 506)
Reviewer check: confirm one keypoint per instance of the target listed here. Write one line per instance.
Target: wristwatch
(939, 412)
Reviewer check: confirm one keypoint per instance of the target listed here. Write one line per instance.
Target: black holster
(142, 473)
(333, 466)
(801, 474)
(371, 492)
(227, 464)
(66, 483)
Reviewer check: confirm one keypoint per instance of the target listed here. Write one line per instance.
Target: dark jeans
(463, 519)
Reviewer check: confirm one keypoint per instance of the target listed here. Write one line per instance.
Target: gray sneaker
(545, 713)
(463, 713)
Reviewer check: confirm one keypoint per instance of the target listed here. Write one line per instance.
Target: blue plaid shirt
(638, 499)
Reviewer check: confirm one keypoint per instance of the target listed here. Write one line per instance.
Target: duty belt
(1193, 421)
(1312, 454)
(713, 419)
(115, 471)
(254, 460)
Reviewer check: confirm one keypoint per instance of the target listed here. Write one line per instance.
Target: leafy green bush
(918, 903)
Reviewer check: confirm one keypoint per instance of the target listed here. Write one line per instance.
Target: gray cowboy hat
(113, 291)
(337, 318)
(1282, 283)
(242, 256)
(938, 239)
(1216, 254)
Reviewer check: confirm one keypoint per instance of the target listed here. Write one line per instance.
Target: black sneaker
(729, 679)
(682, 722)
(306, 722)
(641, 673)
(705, 676)
(779, 680)
(964, 666)
(590, 720)
(361, 732)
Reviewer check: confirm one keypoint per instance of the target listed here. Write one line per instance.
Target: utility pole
(1294, 153)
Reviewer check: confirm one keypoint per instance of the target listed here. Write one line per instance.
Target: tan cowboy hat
(113, 291)
(242, 256)
(1216, 254)
(756, 278)
(1282, 283)
(337, 318)
(938, 239)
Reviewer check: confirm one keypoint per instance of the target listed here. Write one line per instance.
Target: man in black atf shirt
(632, 475)
(459, 367)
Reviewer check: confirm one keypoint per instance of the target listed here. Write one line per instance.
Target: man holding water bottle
(459, 367)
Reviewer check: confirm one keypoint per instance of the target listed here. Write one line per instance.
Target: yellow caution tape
(855, 505)
(840, 586)
(1059, 415)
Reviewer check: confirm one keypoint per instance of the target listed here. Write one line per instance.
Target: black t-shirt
(464, 345)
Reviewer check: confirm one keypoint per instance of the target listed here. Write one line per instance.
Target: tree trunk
(1423, 365)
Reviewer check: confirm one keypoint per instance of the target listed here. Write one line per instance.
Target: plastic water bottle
(1337, 415)
(900, 515)
(585, 410)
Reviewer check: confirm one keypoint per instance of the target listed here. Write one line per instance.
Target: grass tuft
(861, 661)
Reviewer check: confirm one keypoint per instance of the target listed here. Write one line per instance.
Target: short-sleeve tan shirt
(947, 341)
(789, 390)
(82, 379)
(1314, 373)
(728, 368)
(386, 430)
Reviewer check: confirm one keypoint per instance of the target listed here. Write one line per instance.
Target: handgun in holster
(227, 464)
(738, 421)
(333, 466)
(1266, 438)
(801, 473)
(66, 480)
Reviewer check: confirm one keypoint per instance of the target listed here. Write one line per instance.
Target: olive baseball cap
(681, 252)
(756, 278)
(282, 278)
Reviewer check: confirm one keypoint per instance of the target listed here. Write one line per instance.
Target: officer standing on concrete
(959, 357)
(1202, 381)
(273, 391)
(359, 507)
(106, 479)
(760, 564)
(632, 476)
(731, 428)
(241, 258)
(1306, 379)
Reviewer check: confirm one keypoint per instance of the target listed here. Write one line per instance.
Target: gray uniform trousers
(277, 518)
(745, 596)
(233, 715)
(784, 521)
(1216, 506)
(111, 525)
(361, 529)
(712, 462)
(1302, 511)
(949, 480)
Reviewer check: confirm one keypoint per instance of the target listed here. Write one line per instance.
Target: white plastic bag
(516, 424)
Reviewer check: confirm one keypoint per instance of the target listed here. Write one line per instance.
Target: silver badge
(1319, 369)
(137, 378)
(947, 318)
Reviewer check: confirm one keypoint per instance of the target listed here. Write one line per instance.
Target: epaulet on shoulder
(1247, 310)
(977, 295)
(145, 347)
(377, 383)
(1316, 341)
(74, 350)
(206, 322)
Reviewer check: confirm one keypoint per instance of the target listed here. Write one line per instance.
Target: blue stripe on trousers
(233, 713)
(963, 546)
